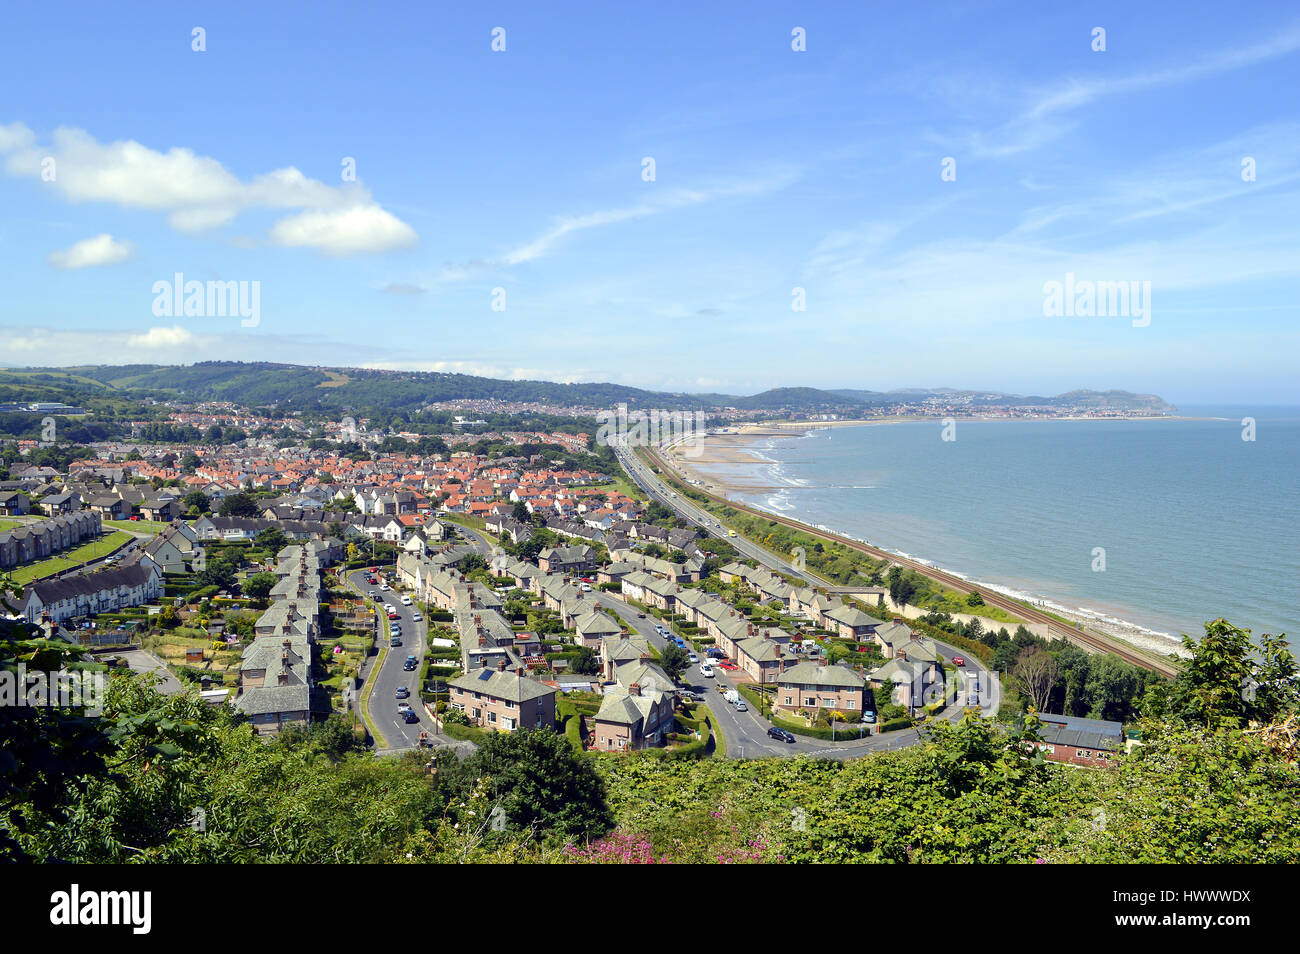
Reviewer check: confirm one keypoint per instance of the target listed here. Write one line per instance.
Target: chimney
(283, 678)
(823, 660)
(501, 664)
(634, 689)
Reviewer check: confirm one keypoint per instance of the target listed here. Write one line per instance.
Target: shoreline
(735, 450)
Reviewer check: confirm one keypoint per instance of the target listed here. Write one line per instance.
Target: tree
(539, 782)
(520, 511)
(272, 539)
(586, 662)
(239, 505)
(673, 660)
(901, 587)
(259, 585)
(471, 562)
(974, 599)
(1223, 684)
(196, 500)
(1035, 674)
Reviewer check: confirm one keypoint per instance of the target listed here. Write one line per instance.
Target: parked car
(395, 642)
(392, 614)
(780, 734)
(586, 587)
(706, 670)
(409, 716)
(640, 615)
(729, 666)
(402, 693)
(869, 717)
(406, 601)
(713, 652)
(416, 617)
(740, 705)
(692, 657)
(958, 661)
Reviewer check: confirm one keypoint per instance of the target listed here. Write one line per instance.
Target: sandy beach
(725, 463)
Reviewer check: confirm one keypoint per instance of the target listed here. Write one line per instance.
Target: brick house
(819, 685)
(504, 700)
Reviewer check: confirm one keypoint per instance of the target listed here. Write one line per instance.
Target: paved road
(987, 699)
(382, 686)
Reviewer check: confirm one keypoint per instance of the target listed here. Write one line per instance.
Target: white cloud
(163, 338)
(198, 192)
(345, 232)
(103, 249)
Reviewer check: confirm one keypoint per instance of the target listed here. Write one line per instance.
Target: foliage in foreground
(170, 779)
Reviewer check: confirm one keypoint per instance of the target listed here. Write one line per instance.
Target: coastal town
(429, 589)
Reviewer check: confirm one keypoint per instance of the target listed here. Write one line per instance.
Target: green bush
(893, 725)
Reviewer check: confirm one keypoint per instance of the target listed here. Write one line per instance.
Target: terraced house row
(45, 538)
(275, 680)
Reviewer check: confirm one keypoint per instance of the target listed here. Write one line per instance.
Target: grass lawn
(719, 741)
(70, 559)
(9, 524)
(139, 526)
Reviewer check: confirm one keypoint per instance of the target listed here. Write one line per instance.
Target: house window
(789, 700)
(492, 717)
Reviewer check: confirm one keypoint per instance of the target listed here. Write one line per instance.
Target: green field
(9, 524)
(70, 559)
(139, 526)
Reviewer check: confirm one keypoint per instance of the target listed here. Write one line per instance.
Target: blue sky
(774, 170)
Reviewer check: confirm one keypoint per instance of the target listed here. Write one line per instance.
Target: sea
(1151, 526)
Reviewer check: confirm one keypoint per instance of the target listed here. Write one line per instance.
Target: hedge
(894, 725)
(844, 731)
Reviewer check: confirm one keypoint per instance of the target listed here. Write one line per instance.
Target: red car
(959, 660)
(728, 666)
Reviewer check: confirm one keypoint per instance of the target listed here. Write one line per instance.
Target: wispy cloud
(1046, 118)
(563, 227)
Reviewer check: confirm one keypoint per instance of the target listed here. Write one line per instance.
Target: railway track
(1094, 642)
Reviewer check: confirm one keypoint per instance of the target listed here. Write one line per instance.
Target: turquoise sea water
(1194, 522)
